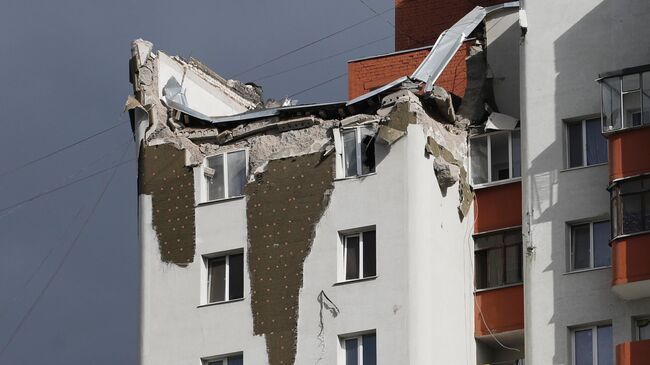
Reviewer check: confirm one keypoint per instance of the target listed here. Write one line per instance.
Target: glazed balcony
(631, 272)
(633, 353)
(500, 312)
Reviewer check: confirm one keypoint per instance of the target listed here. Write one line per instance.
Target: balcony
(625, 98)
(497, 207)
(628, 153)
(500, 312)
(633, 353)
(631, 272)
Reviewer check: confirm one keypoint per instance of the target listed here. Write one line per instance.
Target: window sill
(356, 177)
(609, 132)
(216, 201)
(497, 287)
(583, 167)
(588, 270)
(218, 303)
(626, 235)
(351, 281)
(496, 183)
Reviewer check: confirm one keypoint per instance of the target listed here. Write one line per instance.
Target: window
(593, 346)
(360, 350)
(642, 326)
(590, 245)
(357, 155)
(498, 259)
(225, 175)
(495, 157)
(230, 360)
(630, 201)
(225, 277)
(625, 101)
(586, 145)
(359, 255)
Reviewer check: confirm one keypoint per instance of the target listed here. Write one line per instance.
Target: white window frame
(359, 338)
(567, 144)
(489, 159)
(340, 148)
(594, 341)
(205, 190)
(205, 282)
(224, 358)
(591, 245)
(344, 239)
(637, 329)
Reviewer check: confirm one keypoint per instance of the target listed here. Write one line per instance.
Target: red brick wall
(369, 74)
(418, 23)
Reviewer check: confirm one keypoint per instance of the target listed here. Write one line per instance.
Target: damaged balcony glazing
(625, 99)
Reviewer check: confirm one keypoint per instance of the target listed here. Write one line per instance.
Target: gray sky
(64, 67)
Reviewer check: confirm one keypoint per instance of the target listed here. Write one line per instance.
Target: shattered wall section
(163, 175)
(285, 203)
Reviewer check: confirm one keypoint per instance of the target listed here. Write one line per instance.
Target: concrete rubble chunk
(444, 103)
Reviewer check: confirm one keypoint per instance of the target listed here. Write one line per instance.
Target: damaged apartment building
(455, 210)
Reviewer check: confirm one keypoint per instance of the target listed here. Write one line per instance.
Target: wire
(324, 58)
(63, 261)
(41, 194)
(417, 41)
(311, 43)
(60, 150)
(315, 86)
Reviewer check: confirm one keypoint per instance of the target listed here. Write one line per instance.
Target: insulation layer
(163, 175)
(284, 205)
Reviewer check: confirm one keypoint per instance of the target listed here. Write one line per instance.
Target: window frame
(224, 358)
(491, 182)
(594, 341)
(359, 157)
(503, 246)
(642, 87)
(205, 189)
(592, 259)
(617, 207)
(637, 328)
(359, 337)
(343, 237)
(206, 277)
(567, 144)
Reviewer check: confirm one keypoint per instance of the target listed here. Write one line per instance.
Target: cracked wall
(284, 205)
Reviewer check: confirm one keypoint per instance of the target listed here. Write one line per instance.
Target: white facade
(565, 48)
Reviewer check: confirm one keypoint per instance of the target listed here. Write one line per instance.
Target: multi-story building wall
(456, 210)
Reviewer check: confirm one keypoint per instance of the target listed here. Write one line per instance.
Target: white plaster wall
(201, 95)
(502, 28)
(565, 48)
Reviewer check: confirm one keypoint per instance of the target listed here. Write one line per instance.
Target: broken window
(630, 201)
(229, 360)
(225, 175)
(625, 101)
(360, 350)
(358, 144)
(593, 346)
(495, 157)
(586, 145)
(498, 259)
(590, 245)
(225, 277)
(359, 255)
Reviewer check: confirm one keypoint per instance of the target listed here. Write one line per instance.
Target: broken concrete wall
(285, 203)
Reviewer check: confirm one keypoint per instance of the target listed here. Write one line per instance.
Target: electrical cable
(63, 261)
(311, 43)
(61, 149)
(323, 59)
(315, 86)
(417, 41)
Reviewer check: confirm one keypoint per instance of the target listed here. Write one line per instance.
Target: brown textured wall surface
(163, 175)
(284, 205)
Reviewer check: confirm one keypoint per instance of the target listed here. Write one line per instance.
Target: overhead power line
(390, 23)
(312, 43)
(315, 86)
(31, 162)
(324, 58)
(63, 261)
(44, 193)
